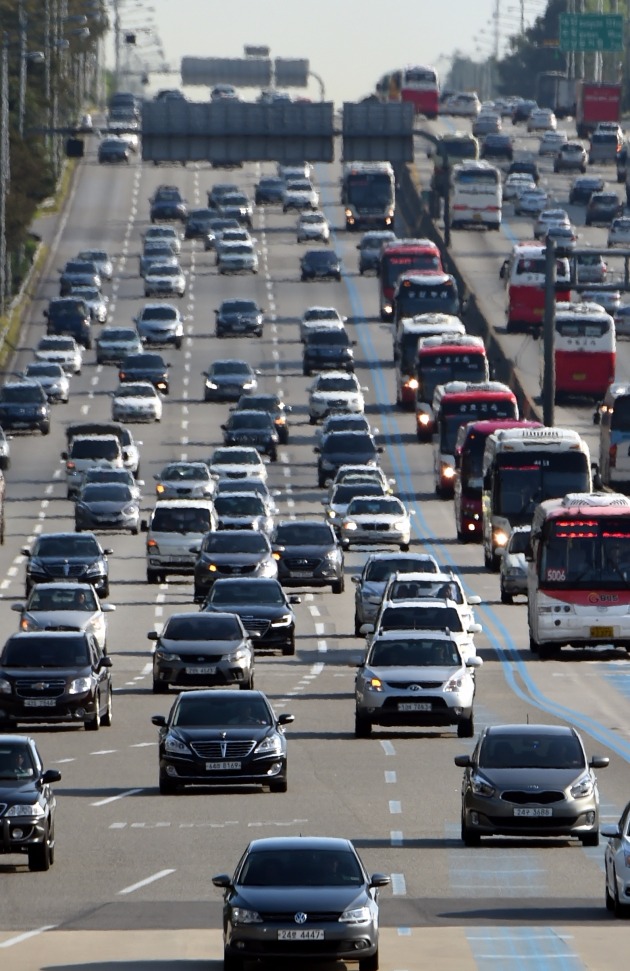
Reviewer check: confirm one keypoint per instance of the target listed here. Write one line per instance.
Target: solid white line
(27, 934)
(121, 795)
(144, 883)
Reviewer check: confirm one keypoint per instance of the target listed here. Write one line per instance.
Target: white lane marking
(142, 744)
(399, 887)
(396, 837)
(121, 795)
(314, 611)
(388, 748)
(63, 761)
(390, 777)
(317, 668)
(320, 629)
(322, 646)
(143, 883)
(105, 751)
(395, 807)
(27, 935)
(12, 571)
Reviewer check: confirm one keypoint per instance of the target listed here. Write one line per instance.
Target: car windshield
(16, 762)
(341, 383)
(106, 492)
(236, 456)
(135, 391)
(337, 337)
(421, 589)
(42, 651)
(177, 473)
(531, 750)
(346, 492)
(304, 534)
(321, 313)
(182, 519)
(239, 307)
(118, 334)
(216, 712)
(239, 505)
(95, 448)
(301, 868)
(421, 616)
(22, 392)
(413, 652)
(321, 257)
(162, 270)
(110, 475)
(44, 370)
(381, 569)
(56, 344)
(246, 593)
(376, 506)
(230, 542)
(203, 627)
(159, 313)
(144, 362)
(349, 443)
(62, 598)
(65, 545)
(250, 420)
(231, 367)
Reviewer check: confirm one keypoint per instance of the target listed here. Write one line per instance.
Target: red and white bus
(414, 83)
(524, 274)
(440, 360)
(455, 404)
(397, 258)
(578, 581)
(468, 479)
(410, 333)
(584, 350)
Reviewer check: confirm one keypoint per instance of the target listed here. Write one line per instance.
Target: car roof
(52, 634)
(529, 729)
(417, 633)
(300, 842)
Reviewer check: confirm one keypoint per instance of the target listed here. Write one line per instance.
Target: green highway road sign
(588, 32)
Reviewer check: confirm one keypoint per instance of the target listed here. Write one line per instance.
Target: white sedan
(61, 350)
(164, 280)
(334, 391)
(541, 119)
(322, 318)
(376, 520)
(313, 226)
(531, 203)
(236, 462)
(619, 232)
(136, 401)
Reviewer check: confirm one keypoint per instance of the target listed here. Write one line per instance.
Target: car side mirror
(105, 661)
(222, 880)
(380, 880)
(159, 720)
(611, 832)
(463, 761)
(317, 450)
(25, 551)
(50, 775)
(475, 629)
(286, 719)
(599, 762)
(355, 579)
(474, 662)
(108, 551)
(473, 600)
(108, 608)
(366, 629)
(17, 607)
(153, 635)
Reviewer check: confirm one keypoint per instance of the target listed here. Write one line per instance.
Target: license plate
(40, 702)
(202, 669)
(579, 377)
(414, 706)
(218, 766)
(602, 631)
(477, 217)
(301, 935)
(533, 811)
(300, 573)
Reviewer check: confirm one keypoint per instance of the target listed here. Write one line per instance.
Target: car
(197, 220)
(54, 677)
(223, 738)
(551, 142)
(237, 205)
(570, 156)
(521, 109)
(339, 448)
(202, 649)
(224, 92)
(232, 552)
(464, 103)
(622, 320)
(320, 265)
(524, 166)
(218, 192)
(130, 453)
(327, 350)
(250, 427)
(610, 300)
(497, 145)
(114, 344)
(529, 780)
(513, 568)
(70, 317)
(334, 391)
(376, 520)
(294, 170)
(162, 231)
(486, 123)
(108, 474)
(312, 226)
(160, 324)
(299, 194)
(619, 232)
(87, 451)
(308, 553)
(564, 237)
(52, 378)
(146, 366)
(373, 579)
(216, 228)
(96, 302)
(77, 273)
(185, 480)
(156, 251)
(64, 605)
(60, 350)
(24, 406)
(320, 318)
(344, 422)
(362, 473)
(237, 256)
(107, 506)
(245, 484)
(590, 268)
(550, 217)
(433, 586)
(112, 150)
(371, 247)
(617, 865)
(426, 613)
(164, 279)
(28, 801)
(167, 203)
(274, 405)
(269, 190)
(237, 317)
(67, 556)
(517, 183)
(341, 495)
(227, 379)
(605, 146)
(531, 203)
(237, 462)
(583, 187)
(174, 532)
(136, 401)
(602, 208)
(5, 451)
(102, 260)
(541, 119)
(263, 606)
(415, 678)
(244, 510)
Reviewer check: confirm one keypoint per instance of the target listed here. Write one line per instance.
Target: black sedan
(222, 738)
(301, 898)
(197, 223)
(340, 448)
(263, 606)
(146, 367)
(238, 318)
(228, 379)
(497, 145)
(274, 405)
(28, 802)
(270, 190)
(168, 204)
(107, 505)
(249, 427)
(195, 650)
(67, 556)
(232, 552)
(308, 554)
(583, 188)
(319, 264)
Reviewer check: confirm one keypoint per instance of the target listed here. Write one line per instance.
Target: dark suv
(327, 350)
(71, 316)
(79, 273)
(55, 676)
(308, 554)
(68, 556)
(249, 427)
(28, 802)
(24, 405)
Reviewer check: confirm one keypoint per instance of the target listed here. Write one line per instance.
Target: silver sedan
(71, 606)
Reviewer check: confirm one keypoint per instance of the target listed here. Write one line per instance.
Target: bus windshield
(475, 176)
(370, 189)
(464, 411)
(582, 327)
(591, 553)
(434, 369)
(420, 298)
(523, 480)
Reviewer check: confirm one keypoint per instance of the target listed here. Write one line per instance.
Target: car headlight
(242, 916)
(162, 655)
(211, 384)
(31, 810)
(95, 569)
(455, 683)
(80, 686)
(356, 915)
(283, 621)
(374, 684)
(350, 525)
(174, 745)
(500, 537)
(481, 786)
(400, 525)
(129, 510)
(27, 623)
(583, 788)
(412, 384)
(5, 687)
(447, 471)
(269, 746)
(239, 655)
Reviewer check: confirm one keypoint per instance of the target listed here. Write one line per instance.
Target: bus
(476, 195)
(418, 293)
(450, 149)
(614, 438)
(584, 350)
(398, 257)
(578, 578)
(454, 404)
(368, 195)
(469, 449)
(409, 334)
(420, 86)
(522, 467)
(442, 359)
(524, 274)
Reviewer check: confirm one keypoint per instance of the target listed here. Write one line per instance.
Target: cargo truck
(595, 102)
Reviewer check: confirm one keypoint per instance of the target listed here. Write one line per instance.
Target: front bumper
(176, 673)
(341, 941)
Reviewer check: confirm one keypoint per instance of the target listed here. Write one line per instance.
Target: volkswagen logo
(300, 918)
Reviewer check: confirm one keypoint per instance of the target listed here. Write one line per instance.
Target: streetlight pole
(5, 170)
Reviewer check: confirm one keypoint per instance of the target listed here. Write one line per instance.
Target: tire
(108, 718)
(167, 786)
(370, 963)
(45, 428)
(40, 856)
(357, 626)
(232, 963)
(609, 901)
(153, 576)
(279, 785)
(533, 646)
(247, 685)
(506, 598)
(338, 586)
(404, 547)
(93, 724)
(468, 837)
(160, 687)
(590, 839)
(545, 651)
(466, 728)
(105, 592)
(362, 727)
(289, 649)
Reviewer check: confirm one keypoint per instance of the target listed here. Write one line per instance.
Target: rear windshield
(98, 448)
(203, 627)
(45, 652)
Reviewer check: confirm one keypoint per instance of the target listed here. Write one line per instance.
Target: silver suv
(570, 156)
(174, 531)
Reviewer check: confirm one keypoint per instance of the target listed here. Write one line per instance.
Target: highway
(131, 885)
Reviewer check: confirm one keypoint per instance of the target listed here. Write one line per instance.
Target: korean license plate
(301, 935)
(202, 669)
(300, 573)
(602, 631)
(414, 706)
(533, 811)
(40, 702)
(225, 766)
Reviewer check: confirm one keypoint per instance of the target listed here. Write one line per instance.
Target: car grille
(257, 625)
(228, 570)
(381, 527)
(543, 797)
(405, 685)
(65, 569)
(54, 687)
(283, 917)
(306, 564)
(223, 750)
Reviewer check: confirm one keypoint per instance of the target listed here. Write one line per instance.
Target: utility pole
(5, 170)
(549, 328)
(23, 54)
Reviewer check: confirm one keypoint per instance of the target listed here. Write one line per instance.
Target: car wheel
(312, 420)
(93, 724)
(167, 786)
(469, 838)
(108, 717)
(362, 726)
(338, 586)
(45, 428)
(506, 598)
(357, 625)
(160, 687)
(279, 785)
(370, 963)
(590, 839)
(153, 576)
(247, 685)
(404, 547)
(545, 651)
(609, 900)
(39, 856)
(232, 963)
(466, 728)
(105, 591)
(289, 648)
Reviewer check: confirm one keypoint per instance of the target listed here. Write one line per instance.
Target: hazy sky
(349, 43)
